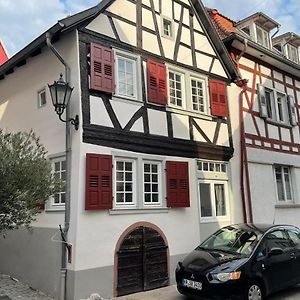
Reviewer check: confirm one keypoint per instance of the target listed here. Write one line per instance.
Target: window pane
(120, 165)
(120, 198)
(155, 198)
(128, 176)
(287, 184)
(120, 176)
(279, 184)
(128, 197)
(205, 200)
(120, 186)
(147, 197)
(220, 200)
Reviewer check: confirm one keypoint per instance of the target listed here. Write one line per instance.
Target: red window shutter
(41, 206)
(178, 184)
(157, 82)
(102, 69)
(218, 98)
(98, 182)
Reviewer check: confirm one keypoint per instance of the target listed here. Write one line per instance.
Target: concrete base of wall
(33, 258)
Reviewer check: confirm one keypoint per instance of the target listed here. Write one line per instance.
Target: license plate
(192, 284)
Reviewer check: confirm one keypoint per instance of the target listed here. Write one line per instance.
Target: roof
(261, 228)
(288, 37)
(3, 54)
(262, 19)
(223, 24)
(69, 23)
(60, 27)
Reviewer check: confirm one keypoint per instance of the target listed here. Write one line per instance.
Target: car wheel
(254, 292)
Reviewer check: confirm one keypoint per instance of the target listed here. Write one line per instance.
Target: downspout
(64, 231)
(244, 160)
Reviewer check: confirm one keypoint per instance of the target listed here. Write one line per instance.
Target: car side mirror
(275, 251)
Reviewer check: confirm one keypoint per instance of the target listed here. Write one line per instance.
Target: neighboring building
(3, 54)
(265, 117)
(150, 162)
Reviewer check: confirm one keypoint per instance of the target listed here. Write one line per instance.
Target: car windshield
(232, 240)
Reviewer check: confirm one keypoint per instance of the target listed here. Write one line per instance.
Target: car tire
(254, 291)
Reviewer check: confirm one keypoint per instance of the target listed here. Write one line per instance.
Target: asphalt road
(170, 293)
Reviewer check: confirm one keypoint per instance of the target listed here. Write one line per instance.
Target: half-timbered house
(150, 162)
(266, 117)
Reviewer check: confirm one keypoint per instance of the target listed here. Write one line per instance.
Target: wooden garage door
(142, 262)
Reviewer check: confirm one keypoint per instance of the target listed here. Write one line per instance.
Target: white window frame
(290, 48)
(218, 176)
(214, 217)
(134, 175)
(39, 99)
(285, 200)
(274, 105)
(50, 205)
(159, 175)
(204, 91)
(265, 36)
(183, 88)
(171, 28)
(136, 75)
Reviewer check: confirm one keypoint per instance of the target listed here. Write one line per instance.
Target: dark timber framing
(144, 142)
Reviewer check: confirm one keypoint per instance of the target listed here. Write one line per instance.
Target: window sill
(273, 122)
(127, 100)
(214, 220)
(288, 205)
(130, 211)
(55, 209)
(190, 113)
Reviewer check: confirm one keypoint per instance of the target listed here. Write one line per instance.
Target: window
(42, 101)
(208, 166)
(58, 200)
(262, 37)
(130, 175)
(213, 199)
(292, 53)
(274, 105)
(125, 173)
(152, 183)
(176, 88)
(167, 27)
(126, 77)
(198, 95)
(283, 183)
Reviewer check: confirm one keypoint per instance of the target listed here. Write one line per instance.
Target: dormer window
(258, 27)
(262, 37)
(292, 53)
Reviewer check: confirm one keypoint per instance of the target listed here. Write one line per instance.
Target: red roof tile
(224, 25)
(3, 55)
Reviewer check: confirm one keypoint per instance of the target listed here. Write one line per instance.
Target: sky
(21, 21)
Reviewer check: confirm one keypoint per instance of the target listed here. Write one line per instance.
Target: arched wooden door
(142, 262)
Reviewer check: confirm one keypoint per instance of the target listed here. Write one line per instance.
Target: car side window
(275, 239)
(294, 235)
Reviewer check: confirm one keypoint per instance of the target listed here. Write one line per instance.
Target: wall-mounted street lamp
(60, 92)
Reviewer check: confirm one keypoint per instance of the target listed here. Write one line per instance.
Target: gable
(140, 25)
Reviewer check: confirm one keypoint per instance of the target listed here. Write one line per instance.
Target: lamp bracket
(74, 121)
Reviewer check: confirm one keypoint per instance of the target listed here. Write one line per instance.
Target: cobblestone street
(11, 289)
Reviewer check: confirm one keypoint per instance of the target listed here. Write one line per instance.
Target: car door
(294, 235)
(276, 269)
